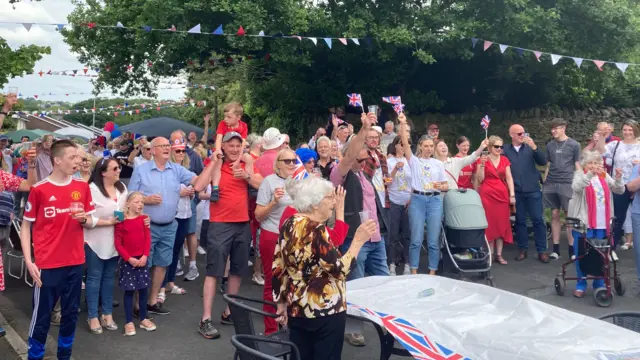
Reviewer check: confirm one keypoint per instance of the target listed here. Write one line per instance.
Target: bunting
(117, 110)
(178, 86)
(555, 58)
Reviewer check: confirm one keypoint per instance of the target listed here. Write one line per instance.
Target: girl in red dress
(496, 191)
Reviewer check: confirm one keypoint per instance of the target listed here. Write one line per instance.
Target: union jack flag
(485, 122)
(392, 99)
(411, 338)
(355, 100)
(299, 172)
(398, 108)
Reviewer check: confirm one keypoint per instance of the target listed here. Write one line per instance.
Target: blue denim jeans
(594, 234)
(101, 276)
(635, 225)
(530, 203)
(425, 208)
(372, 259)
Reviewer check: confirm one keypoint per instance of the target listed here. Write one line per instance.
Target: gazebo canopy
(16, 136)
(72, 131)
(161, 126)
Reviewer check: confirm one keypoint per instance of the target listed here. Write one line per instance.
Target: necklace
(559, 150)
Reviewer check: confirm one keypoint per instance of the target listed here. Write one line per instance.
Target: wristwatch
(4, 113)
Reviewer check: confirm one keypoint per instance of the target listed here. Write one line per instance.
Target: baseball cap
(272, 139)
(177, 144)
(4, 137)
(231, 135)
(433, 127)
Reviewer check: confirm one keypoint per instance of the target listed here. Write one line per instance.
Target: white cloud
(61, 58)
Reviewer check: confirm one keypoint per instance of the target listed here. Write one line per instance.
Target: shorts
(191, 225)
(162, 239)
(556, 196)
(204, 227)
(228, 240)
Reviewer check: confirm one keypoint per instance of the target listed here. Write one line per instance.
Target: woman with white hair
(592, 203)
(314, 306)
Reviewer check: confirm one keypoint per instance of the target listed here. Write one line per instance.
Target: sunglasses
(520, 134)
(498, 146)
(311, 161)
(288, 161)
(179, 151)
(116, 168)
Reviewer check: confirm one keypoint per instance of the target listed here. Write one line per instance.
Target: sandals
(500, 260)
(109, 326)
(161, 298)
(95, 330)
(176, 290)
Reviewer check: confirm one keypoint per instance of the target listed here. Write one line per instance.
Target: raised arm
(205, 136)
(356, 144)
(402, 119)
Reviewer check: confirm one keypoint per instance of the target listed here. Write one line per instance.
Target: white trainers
(201, 251)
(407, 270)
(179, 271)
(554, 256)
(392, 270)
(258, 279)
(192, 274)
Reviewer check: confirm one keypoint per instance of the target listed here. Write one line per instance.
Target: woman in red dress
(496, 191)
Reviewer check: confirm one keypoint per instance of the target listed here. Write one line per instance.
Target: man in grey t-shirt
(563, 154)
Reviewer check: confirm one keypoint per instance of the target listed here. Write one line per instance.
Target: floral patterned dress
(11, 183)
(308, 271)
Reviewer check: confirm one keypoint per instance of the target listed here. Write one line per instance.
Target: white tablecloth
(463, 320)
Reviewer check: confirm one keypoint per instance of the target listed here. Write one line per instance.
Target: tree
(17, 62)
(420, 50)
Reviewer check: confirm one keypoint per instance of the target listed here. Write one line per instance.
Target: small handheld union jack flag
(355, 100)
(398, 108)
(485, 122)
(392, 99)
(299, 172)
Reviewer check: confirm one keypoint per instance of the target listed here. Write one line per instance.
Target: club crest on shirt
(75, 195)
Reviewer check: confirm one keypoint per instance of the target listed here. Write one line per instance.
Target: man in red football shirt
(57, 209)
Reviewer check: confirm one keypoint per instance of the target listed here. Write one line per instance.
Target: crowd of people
(344, 204)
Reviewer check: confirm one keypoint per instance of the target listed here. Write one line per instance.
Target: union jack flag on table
(411, 338)
(392, 99)
(299, 172)
(355, 100)
(485, 122)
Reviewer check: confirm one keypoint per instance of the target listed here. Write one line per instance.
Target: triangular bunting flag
(343, 41)
(240, 31)
(537, 54)
(298, 37)
(119, 25)
(172, 28)
(487, 44)
(314, 40)
(622, 66)
(503, 48)
(599, 64)
(60, 26)
(147, 28)
(328, 41)
(474, 41)
(85, 70)
(519, 51)
(218, 31)
(75, 72)
(578, 61)
(356, 41)
(130, 112)
(27, 26)
(555, 58)
(261, 33)
(195, 30)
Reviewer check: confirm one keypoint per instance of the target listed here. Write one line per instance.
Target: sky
(61, 58)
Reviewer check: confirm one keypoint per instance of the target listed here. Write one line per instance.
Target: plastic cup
(364, 216)
(526, 134)
(13, 90)
(373, 109)
(485, 152)
(26, 146)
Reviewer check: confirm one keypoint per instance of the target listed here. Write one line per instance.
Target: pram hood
(463, 210)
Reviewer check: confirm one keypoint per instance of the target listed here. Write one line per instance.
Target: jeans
(620, 205)
(530, 203)
(635, 224)
(423, 208)
(399, 235)
(100, 282)
(582, 284)
(372, 259)
(181, 233)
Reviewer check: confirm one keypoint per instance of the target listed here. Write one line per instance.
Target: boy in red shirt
(57, 210)
(232, 114)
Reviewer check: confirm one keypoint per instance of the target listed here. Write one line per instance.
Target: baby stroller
(463, 237)
(595, 259)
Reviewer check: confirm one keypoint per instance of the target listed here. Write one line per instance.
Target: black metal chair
(244, 351)
(387, 341)
(243, 325)
(629, 320)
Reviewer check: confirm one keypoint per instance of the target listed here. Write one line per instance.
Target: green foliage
(420, 50)
(19, 61)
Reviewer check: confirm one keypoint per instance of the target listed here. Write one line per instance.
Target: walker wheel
(559, 285)
(619, 285)
(602, 298)
(489, 281)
